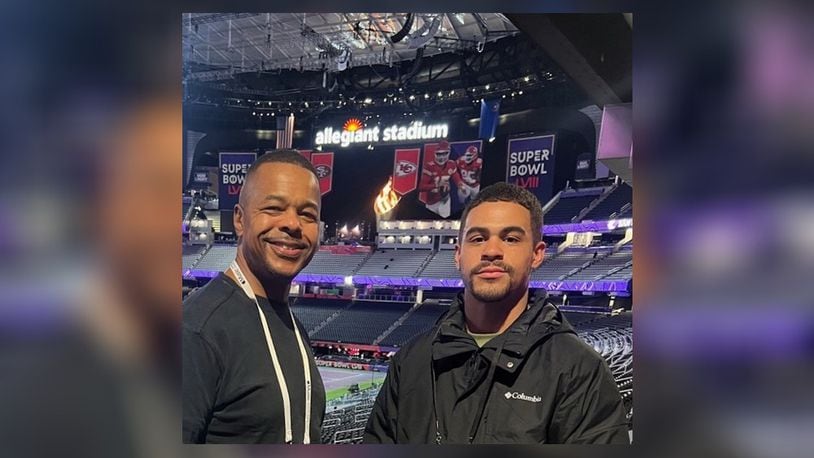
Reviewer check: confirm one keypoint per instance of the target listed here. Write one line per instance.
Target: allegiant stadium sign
(354, 131)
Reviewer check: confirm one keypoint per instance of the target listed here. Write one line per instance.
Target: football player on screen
(469, 167)
(435, 186)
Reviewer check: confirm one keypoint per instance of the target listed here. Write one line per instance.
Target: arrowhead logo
(405, 168)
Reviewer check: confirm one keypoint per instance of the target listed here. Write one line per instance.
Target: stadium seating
(622, 273)
(442, 265)
(556, 266)
(610, 206)
(313, 312)
(363, 322)
(325, 262)
(433, 264)
(604, 265)
(626, 212)
(345, 418)
(394, 263)
(577, 319)
(217, 258)
(421, 320)
(612, 337)
(190, 255)
(569, 206)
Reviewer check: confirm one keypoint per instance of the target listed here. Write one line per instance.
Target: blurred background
(90, 134)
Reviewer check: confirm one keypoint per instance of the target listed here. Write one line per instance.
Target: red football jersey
(432, 190)
(470, 173)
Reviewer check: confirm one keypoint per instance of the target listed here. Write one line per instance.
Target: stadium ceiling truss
(240, 66)
(452, 81)
(499, 61)
(216, 47)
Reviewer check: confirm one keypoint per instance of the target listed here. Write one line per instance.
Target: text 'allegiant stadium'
(394, 133)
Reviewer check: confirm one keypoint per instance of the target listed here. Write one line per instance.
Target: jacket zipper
(490, 381)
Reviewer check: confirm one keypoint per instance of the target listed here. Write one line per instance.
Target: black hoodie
(537, 382)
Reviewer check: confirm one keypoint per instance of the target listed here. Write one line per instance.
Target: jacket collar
(540, 320)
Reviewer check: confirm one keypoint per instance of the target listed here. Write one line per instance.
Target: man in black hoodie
(498, 367)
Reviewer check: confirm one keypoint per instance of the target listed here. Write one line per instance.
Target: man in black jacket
(499, 368)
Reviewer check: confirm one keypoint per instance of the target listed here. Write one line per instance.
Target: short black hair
(284, 156)
(505, 192)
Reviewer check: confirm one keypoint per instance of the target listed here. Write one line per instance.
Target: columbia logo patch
(522, 396)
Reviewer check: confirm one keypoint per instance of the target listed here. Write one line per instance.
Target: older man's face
(278, 221)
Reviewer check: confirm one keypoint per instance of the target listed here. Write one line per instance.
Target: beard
(491, 290)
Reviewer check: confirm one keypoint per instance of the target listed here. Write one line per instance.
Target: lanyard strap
(278, 371)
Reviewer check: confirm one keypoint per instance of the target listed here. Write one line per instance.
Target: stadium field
(338, 380)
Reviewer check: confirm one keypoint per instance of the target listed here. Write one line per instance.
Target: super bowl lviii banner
(530, 165)
(232, 171)
(324, 163)
(405, 170)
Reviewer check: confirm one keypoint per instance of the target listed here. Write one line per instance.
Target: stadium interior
(380, 279)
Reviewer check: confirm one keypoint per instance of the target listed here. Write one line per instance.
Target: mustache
(499, 264)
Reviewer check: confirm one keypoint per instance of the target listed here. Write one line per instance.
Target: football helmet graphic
(471, 154)
(442, 153)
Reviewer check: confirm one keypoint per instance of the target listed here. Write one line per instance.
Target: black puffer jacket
(535, 383)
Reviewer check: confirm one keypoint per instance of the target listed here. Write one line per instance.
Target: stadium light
(349, 280)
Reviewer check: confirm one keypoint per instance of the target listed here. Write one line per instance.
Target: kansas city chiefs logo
(323, 171)
(405, 168)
